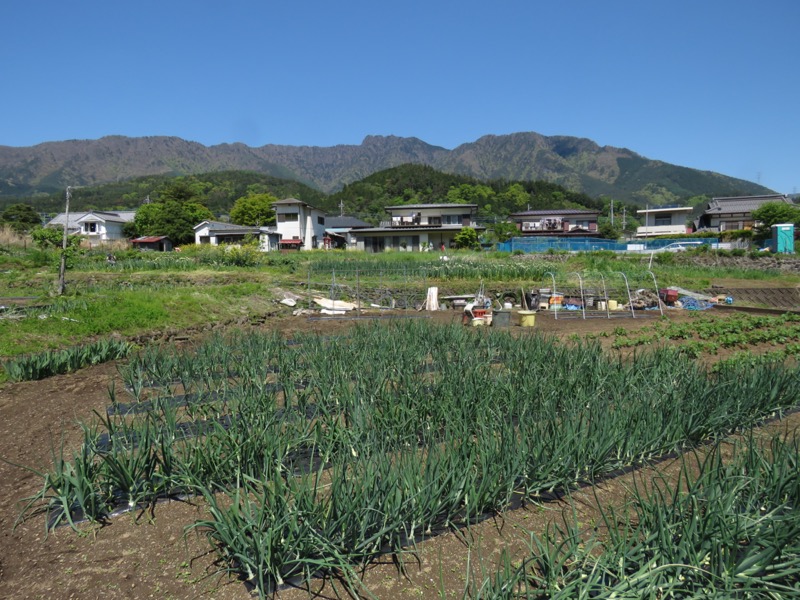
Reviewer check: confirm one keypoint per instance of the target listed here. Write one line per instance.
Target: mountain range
(578, 164)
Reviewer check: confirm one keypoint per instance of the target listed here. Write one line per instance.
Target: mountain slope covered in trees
(578, 164)
(217, 191)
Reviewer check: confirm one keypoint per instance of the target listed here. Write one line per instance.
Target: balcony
(408, 223)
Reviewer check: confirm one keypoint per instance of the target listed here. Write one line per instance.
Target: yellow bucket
(612, 305)
(527, 318)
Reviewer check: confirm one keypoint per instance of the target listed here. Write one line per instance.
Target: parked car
(680, 246)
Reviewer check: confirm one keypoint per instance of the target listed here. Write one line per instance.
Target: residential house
(735, 212)
(299, 224)
(156, 243)
(342, 231)
(414, 227)
(556, 222)
(97, 226)
(217, 232)
(269, 239)
(664, 220)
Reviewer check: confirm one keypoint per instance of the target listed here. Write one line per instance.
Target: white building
(217, 232)
(664, 220)
(97, 226)
(299, 224)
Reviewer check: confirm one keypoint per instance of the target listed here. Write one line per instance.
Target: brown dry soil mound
(148, 556)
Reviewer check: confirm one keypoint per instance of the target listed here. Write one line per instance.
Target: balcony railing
(660, 230)
(408, 224)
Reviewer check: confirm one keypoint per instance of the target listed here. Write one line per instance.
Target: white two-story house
(664, 220)
(298, 224)
(413, 227)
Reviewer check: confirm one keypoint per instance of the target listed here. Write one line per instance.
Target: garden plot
(417, 428)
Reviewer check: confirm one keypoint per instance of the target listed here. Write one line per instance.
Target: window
(661, 221)
(320, 220)
(287, 217)
(90, 227)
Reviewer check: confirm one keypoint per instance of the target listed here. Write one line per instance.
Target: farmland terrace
(149, 552)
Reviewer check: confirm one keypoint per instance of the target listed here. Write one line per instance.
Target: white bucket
(601, 305)
(507, 306)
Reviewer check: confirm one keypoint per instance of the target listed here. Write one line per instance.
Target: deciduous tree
(254, 210)
(772, 213)
(467, 238)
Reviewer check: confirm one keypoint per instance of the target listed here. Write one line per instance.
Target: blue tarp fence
(532, 245)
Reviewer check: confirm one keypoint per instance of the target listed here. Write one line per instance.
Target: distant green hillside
(222, 189)
(419, 184)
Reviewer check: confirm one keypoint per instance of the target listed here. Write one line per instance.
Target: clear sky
(708, 84)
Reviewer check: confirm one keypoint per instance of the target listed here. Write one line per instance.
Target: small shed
(157, 243)
(290, 244)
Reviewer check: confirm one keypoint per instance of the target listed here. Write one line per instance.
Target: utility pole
(62, 269)
(341, 208)
(612, 212)
(624, 213)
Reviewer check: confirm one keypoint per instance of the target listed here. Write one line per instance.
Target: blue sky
(708, 84)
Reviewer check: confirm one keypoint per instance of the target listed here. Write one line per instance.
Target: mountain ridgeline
(577, 164)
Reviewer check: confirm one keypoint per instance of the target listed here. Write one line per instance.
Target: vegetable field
(324, 454)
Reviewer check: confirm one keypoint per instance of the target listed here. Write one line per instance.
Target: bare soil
(148, 555)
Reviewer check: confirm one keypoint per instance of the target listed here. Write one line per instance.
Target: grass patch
(128, 312)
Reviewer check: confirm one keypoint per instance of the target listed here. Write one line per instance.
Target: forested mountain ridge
(217, 191)
(578, 164)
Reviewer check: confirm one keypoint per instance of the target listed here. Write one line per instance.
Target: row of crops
(321, 454)
(725, 528)
(32, 367)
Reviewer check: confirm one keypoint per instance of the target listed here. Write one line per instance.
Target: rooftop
(149, 239)
(229, 227)
(557, 212)
(291, 202)
(665, 209)
(742, 204)
(424, 206)
(344, 222)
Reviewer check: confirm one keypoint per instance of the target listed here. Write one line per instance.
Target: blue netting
(539, 244)
(689, 303)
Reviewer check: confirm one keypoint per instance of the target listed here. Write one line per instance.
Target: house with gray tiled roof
(96, 226)
(217, 232)
(735, 212)
(556, 222)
